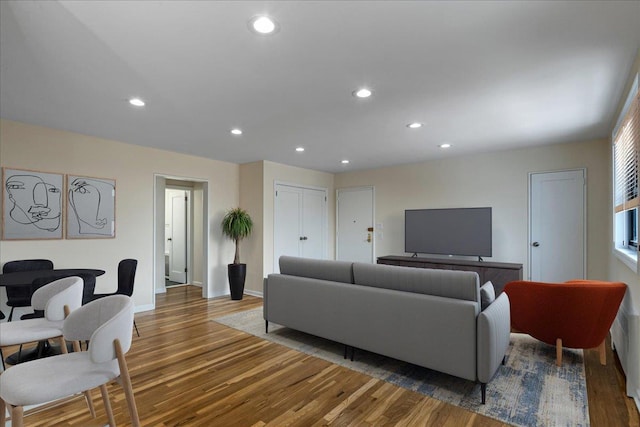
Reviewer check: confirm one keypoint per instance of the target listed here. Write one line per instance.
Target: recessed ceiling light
(136, 102)
(345, 162)
(300, 149)
(362, 93)
(414, 125)
(263, 25)
(444, 145)
(236, 131)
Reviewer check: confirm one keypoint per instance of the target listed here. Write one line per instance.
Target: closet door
(287, 227)
(314, 207)
(300, 218)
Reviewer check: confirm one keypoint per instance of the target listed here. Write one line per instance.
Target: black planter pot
(237, 274)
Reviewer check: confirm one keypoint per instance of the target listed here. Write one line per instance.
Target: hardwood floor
(190, 371)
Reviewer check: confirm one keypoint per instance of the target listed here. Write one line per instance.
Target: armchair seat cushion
(55, 377)
(30, 330)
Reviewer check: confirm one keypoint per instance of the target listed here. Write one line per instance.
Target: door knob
(303, 237)
(369, 237)
(535, 244)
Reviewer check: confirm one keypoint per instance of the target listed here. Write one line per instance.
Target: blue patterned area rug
(530, 390)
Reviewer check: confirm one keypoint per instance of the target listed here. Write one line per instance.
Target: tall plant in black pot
(237, 225)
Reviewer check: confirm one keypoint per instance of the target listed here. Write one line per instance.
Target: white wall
(257, 197)
(620, 271)
(198, 235)
(498, 180)
(252, 200)
(31, 147)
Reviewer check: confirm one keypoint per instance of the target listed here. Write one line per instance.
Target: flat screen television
(458, 231)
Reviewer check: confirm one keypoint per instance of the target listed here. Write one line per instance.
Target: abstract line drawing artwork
(32, 204)
(90, 207)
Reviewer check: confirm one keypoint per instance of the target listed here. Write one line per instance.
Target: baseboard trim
(146, 307)
(254, 293)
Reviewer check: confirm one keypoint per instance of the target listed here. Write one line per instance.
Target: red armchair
(574, 314)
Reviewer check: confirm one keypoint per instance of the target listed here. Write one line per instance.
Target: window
(632, 222)
(626, 169)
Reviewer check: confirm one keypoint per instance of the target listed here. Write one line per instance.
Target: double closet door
(300, 222)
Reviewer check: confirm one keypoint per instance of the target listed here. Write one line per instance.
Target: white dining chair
(57, 299)
(107, 324)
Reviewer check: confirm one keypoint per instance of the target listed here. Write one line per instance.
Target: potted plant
(237, 225)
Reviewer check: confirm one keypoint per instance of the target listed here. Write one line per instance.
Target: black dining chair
(20, 296)
(88, 291)
(126, 278)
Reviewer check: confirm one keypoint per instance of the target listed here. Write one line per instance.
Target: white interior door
(178, 251)
(557, 226)
(287, 223)
(299, 223)
(354, 234)
(314, 207)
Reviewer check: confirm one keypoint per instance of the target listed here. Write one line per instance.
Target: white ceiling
(480, 75)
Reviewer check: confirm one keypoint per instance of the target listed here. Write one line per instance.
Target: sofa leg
(483, 390)
(266, 326)
(504, 360)
(353, 352)
(344, 356)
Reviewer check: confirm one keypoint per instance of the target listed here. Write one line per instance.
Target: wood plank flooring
(190, 371)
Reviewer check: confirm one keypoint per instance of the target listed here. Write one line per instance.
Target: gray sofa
(431, 318)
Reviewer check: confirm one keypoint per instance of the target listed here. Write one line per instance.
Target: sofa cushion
(487, 295)
(322, 269)
(444, 283)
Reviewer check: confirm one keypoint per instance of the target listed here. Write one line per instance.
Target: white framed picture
(91, 207)
(32, 204)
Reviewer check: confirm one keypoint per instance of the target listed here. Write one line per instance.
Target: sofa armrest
(494, 329)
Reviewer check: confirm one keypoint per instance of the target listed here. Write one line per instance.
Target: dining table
(25, 279)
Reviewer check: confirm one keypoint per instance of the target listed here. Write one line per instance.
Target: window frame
(627, 253)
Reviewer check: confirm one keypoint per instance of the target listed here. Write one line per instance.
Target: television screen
(459, 231)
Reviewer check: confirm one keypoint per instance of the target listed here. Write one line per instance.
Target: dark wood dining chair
(20, 296)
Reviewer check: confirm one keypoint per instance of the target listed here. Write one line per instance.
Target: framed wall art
(32, 204)
(91, 207)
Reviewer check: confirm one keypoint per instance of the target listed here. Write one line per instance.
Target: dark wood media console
(500, 273)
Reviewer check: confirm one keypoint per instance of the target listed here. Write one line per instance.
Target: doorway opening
(181, 231)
